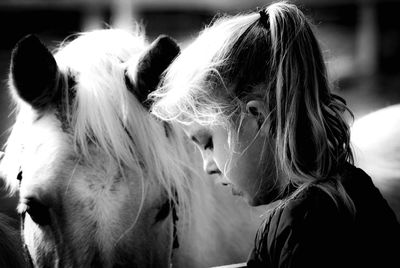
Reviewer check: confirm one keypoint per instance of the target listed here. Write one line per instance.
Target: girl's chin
(236, 192)
(251, 200)
(244, 196)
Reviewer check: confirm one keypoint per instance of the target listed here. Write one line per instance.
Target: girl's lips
(222, 180)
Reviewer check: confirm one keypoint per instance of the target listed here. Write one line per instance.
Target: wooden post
(367, 39)
(92, 18)
(122, 16)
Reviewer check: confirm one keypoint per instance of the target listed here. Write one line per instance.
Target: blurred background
(360, 39)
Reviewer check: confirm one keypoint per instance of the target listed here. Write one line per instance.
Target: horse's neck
(221, 230)
(10, 244)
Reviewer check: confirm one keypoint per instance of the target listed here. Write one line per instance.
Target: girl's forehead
(196, 129)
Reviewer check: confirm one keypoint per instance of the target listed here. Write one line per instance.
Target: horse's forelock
(105, 113)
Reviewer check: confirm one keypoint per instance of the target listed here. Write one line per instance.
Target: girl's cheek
(221, 148)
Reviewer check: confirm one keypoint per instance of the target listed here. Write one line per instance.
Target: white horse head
(98, 176)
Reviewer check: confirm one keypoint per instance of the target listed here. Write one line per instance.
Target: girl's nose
(209, 165)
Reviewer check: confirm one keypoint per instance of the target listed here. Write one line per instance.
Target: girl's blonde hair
(275, 58)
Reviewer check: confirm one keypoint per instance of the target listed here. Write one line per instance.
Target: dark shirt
(311, 230)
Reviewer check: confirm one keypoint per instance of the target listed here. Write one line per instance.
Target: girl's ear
(258, 111)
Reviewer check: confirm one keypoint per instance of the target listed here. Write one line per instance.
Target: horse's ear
(152, 64)
(34, 72)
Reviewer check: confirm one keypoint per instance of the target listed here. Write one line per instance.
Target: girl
(252, 92)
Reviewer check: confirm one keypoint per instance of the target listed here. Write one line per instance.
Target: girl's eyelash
(193, 138)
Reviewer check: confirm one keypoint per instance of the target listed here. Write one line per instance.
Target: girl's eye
(203, 139)
(38, 212)
(193, 138)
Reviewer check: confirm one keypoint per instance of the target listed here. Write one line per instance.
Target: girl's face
(247, 166)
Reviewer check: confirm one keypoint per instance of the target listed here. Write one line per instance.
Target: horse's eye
(164, 211)
(39, 213)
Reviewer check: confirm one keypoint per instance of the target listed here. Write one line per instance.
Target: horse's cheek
(160, 243)
(40, 243)
(165, 248)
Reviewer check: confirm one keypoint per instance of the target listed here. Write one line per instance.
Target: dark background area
(360, 40)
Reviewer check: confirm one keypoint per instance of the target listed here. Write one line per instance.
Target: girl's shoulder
(315, 205)
(312, 221)
(306, 226)
(311, 204)
(312, 209)
(368, 200)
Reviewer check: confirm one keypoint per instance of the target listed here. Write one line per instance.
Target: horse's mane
(103, 112)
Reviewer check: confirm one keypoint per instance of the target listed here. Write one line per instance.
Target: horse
(100, 180)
